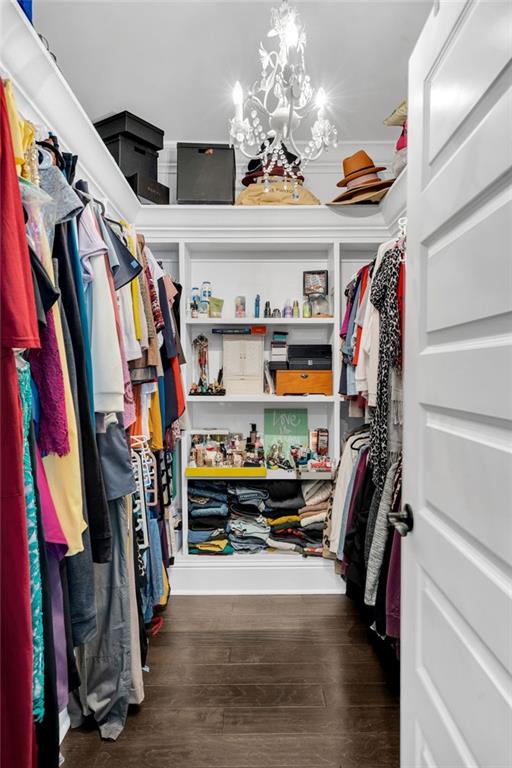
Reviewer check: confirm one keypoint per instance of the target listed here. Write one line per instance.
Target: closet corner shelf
(261, 399)
(212, 321)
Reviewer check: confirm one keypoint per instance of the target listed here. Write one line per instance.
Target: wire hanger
(402, 236)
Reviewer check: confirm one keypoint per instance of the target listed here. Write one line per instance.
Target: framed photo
(316, 282)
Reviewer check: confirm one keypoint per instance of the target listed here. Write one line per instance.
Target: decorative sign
(287, 425)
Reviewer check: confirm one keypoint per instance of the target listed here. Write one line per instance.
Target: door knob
(402, 521)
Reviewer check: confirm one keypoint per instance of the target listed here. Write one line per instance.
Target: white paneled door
(457, 561)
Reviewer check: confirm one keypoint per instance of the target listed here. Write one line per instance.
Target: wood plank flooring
(256, 682)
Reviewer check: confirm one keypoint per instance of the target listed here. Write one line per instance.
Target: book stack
(279, 351)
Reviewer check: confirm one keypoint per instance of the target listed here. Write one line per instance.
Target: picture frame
(315, 282)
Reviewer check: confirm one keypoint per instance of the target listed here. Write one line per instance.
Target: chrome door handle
(402, 521)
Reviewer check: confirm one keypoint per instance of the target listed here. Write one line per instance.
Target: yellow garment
(280, 193)
(284, 520)
(216, 545)
(156, 441)
(134, 285)
(63, 472)
(22, 131)
(165, 596)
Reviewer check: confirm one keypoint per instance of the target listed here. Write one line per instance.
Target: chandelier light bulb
(321, 99)
(238, 100)
(238, 94)
(291, 34)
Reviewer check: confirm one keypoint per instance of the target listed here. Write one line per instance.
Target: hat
(363, 195)
(361, 179)
(398, 116)
(358, 164)
(277, 170)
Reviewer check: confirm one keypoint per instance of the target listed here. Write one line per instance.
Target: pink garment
(402, 141)
(170, 289)
(393, 588)
(130, 414)
(52, 530)
(346, 318)
(46, 368)
(90, 242)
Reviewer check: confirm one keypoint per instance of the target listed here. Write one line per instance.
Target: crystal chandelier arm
(305, 110)
(274, 60)
(249, 155)
(317, 153)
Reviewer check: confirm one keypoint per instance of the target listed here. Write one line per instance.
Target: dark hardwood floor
(256, 682)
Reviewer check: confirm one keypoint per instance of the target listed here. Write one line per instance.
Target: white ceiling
(174, 63)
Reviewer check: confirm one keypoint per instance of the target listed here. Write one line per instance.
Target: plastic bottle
(296, 310)
(307, 309)
(257, 306)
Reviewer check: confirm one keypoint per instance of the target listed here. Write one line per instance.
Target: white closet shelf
(211, 321)
(305, 399)
(276, 474)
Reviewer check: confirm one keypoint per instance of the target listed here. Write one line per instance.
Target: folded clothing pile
(312, 516)
(285, 500)
(208, 518)
(247, 528)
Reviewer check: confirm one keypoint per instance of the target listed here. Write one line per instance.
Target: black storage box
(133, 143)
(316, 357)
(148, 190)
(278, 365)
(206, 174)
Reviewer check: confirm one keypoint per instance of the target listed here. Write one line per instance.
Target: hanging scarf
(384, 297)
(36, 594)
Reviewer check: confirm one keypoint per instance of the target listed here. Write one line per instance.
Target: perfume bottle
(295, 310)
(307, 309)
(287, 309)
(267, 312)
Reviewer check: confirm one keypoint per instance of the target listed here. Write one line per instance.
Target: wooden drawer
(303, 382)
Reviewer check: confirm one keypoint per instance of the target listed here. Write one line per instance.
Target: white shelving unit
(244, 250)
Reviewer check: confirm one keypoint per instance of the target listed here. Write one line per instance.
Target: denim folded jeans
(198, 537)
(246, 494)
(217, 491)
(220, 510)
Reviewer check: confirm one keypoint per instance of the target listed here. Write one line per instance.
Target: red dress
(18, 328)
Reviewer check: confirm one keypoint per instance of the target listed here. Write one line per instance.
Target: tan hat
(356, 165)
(398, 116)
(363, 195)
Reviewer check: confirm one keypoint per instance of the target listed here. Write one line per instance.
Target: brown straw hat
(362, 195)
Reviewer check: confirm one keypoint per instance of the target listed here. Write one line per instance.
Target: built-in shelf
(305, 399)
(212, 321)
(247, 473)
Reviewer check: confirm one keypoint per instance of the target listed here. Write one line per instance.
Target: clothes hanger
(402, 236)
(49, 145)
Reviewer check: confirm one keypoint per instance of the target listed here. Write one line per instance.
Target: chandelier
(281, 100)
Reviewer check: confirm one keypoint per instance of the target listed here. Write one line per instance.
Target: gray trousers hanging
(105, 662)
